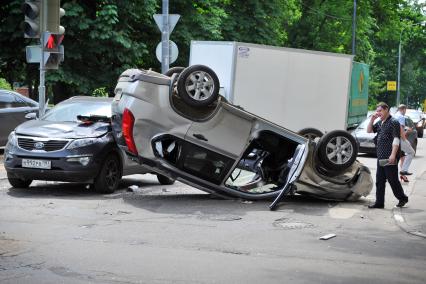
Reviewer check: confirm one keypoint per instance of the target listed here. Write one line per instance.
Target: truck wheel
(310, 133)
(198, 86)
(337, 150)
(165, 180)
(174, 70)
(19, 183)
(109, 176)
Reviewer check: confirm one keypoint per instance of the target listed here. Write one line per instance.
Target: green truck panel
(358, 99)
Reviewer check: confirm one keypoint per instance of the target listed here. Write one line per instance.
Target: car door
(12, 113)
(212, 147)
(227, 132)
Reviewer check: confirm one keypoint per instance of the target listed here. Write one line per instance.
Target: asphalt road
(64, 233)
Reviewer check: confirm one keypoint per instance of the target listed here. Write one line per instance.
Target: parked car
(180, 127)
(72, 142)
(13, 109)
(418, 119)
(365, 140)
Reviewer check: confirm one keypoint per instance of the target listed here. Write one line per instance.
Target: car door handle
(200, 137)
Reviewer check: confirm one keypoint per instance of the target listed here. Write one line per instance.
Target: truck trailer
(301, 89)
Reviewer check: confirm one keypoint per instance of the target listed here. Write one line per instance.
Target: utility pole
(354, 29)
(165, 34)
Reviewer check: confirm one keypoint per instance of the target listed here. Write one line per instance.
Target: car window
(9, 100)
(68, 111)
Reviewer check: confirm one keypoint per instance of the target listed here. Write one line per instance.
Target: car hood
(53, 129)
(363, 134)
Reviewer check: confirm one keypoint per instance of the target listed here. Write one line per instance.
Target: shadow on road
(207, 204)
(42, 189)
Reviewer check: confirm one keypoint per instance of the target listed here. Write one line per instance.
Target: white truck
(301, 89)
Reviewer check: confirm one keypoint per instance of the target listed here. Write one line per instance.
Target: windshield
(69, 111)
(414, 115)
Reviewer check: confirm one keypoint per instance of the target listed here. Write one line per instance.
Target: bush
(100, 92)
(4, 84)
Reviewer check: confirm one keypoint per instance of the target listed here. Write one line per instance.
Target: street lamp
(398, 98)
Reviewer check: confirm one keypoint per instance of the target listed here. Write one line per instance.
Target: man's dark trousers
(389, 173)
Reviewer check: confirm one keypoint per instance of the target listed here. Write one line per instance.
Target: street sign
(173, 19)
(33, 53)
(173, 51)
(391, 86)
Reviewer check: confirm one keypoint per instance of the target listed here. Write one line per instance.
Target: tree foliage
(105, 37)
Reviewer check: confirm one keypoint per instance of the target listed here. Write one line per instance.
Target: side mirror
(31, 115)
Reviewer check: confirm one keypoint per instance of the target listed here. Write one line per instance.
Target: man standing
(405, 144)
(388, 137)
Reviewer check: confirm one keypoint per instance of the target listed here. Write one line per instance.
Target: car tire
(337, 150)
(165, 180)
(310, 133)
(174, 70)
(109, 176)
(198, 86)
(19, 183)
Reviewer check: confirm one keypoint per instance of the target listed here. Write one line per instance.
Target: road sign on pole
(173, 19)
(391, 85)
(173, 51)
(166, 23)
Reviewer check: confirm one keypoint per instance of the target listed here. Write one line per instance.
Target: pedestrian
(388, 139)
(405, 144)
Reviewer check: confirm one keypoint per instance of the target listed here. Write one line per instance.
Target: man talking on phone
(388, 141)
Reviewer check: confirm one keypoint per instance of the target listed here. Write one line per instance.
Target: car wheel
(174, 70)
(337, 150)
(198, 86)
(165, 180)
(109, 176)
(310, 133)
(19, 183)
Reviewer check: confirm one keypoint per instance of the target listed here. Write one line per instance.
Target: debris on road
(327, 237)
(132, 188)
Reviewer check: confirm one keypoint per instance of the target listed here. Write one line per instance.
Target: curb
(400, 220)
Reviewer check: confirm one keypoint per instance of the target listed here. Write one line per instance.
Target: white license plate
(367, 144)
(36, 164)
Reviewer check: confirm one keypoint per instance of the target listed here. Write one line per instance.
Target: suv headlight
(78, 143)
(12, 140)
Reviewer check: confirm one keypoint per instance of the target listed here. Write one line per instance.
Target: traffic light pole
(41, 87)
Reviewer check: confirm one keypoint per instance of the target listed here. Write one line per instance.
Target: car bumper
(52, 175)
(61, 169)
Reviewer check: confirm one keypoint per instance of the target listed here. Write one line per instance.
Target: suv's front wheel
(19, 183)
(337, 150)
(109, 176)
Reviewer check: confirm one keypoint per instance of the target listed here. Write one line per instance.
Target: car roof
(88, 99)
(19, 95)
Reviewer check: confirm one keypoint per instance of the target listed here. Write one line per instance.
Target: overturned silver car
(179, 126)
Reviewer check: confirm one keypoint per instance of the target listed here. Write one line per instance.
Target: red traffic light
(53, 41)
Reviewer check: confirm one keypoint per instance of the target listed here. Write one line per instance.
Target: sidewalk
(412, 217)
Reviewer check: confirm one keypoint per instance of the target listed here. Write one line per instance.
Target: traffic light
(53, 51)
(54, 12)
(33, 10)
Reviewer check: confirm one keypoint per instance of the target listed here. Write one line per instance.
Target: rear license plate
(36, 164)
